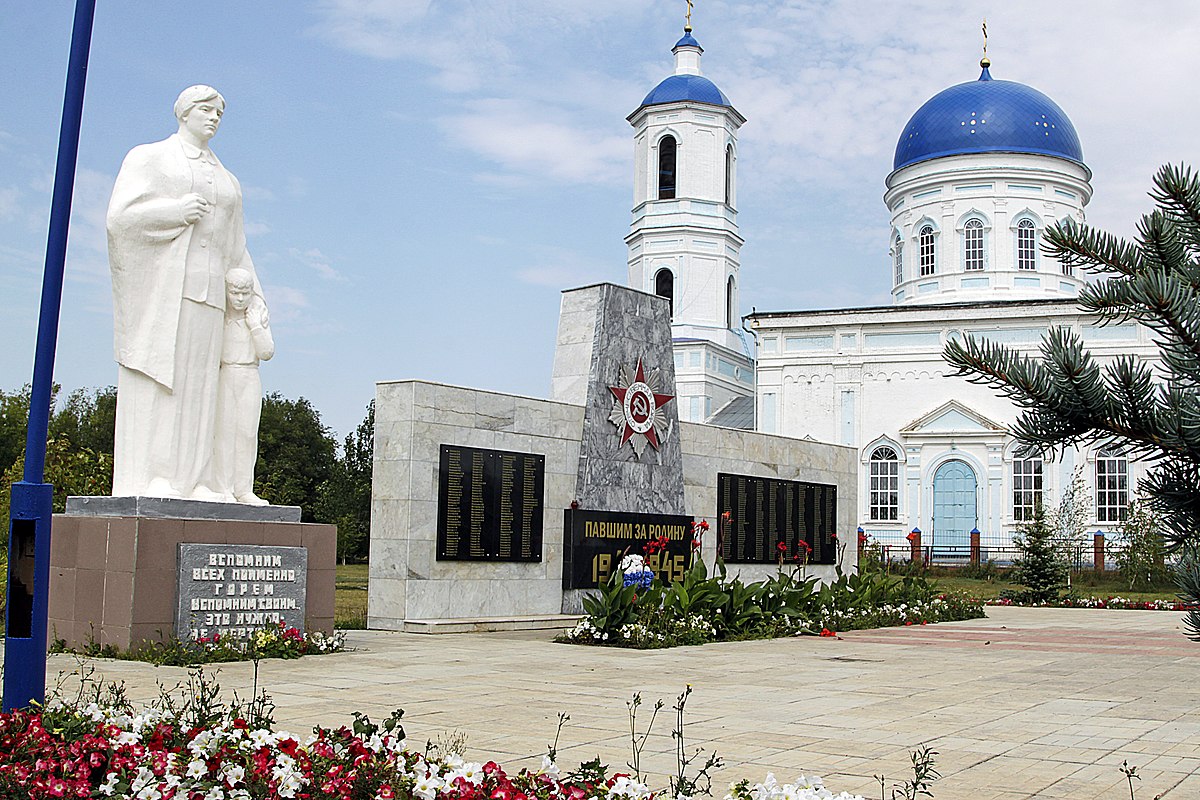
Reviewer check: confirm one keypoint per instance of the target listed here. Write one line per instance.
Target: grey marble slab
(174, 508)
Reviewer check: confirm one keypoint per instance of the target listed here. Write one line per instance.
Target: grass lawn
(350, 597)
(1087, 584)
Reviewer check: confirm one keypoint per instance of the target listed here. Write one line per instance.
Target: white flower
(110, 785)
(127, 737)
(215, 793)
(625, 786)
(426, 787)
(196, 769)
(549, 767)
(232, 774)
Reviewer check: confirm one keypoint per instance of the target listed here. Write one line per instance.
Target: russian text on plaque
(489, 505)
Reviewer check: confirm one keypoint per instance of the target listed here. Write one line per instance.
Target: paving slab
(1028, 703)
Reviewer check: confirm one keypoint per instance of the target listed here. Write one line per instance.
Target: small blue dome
(987, 116)
(688, 41)
(686, 87)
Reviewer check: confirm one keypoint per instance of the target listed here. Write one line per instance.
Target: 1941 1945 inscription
(235, 590)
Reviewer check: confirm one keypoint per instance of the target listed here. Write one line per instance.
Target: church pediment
(952, 418)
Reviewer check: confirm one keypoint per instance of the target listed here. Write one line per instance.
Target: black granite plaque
(236, 589)
(489, 505)
(594, 542)
(763, 512)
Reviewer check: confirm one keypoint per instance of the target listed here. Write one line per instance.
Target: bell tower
(684, 243)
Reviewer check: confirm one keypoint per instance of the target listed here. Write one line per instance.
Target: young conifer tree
(1068, 399)
(1041, 568)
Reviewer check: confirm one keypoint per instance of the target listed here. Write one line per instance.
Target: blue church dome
(987, 116)
(686, 87)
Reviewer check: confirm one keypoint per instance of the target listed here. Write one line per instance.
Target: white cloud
(9, 195)
(317, 261)
(560, 268)
(532, 141)
(287, 303)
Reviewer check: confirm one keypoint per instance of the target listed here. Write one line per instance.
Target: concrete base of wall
(113, 580)
(537, 622)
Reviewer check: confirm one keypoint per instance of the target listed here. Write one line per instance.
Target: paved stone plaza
(1039, 703)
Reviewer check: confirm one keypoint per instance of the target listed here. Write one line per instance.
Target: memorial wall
(412, 580)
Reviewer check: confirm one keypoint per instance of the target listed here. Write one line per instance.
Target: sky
(422, 178)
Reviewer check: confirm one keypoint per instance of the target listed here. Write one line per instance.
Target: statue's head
(239, 288)
(193, 96)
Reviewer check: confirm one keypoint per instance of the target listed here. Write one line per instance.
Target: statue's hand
(193, 207)
(257, 315)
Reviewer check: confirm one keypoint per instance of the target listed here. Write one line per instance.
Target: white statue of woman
(174, 230)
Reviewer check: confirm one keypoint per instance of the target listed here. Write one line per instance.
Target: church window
(928, 251)
(898, 259)
(1112, 486)
(884, 475)
(728, 174)
(666, 168)
(1026, 244)
(664, 286)
(730, 303)
(973, 245)
(1027, 487)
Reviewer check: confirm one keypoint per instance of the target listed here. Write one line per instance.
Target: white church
(980, 171)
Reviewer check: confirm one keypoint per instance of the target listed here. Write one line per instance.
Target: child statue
(247, 340)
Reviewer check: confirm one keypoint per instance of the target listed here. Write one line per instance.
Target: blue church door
(954, 512)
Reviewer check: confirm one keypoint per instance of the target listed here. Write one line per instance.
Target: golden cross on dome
(985, 62)
(688, 26)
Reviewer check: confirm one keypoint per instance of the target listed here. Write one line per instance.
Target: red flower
(807, 547)
(781, 547)
(833, 536)
(695, 544)
(827, 632)
(727, 516)
(386, 792)
(703, 524)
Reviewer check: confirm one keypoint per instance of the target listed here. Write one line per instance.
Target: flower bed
(198, 751)
(276, 641)
(701, 609)
(1109, 602)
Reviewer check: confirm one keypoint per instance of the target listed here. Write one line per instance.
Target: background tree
(14, 419)
(1069, 522)
(87, 419)
(345, 499)
(72, 471)
(1141, 559)
(1041, 568)
(296, 454)
(1068, 399)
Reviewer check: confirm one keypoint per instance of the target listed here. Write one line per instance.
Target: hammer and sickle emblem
(639, 406)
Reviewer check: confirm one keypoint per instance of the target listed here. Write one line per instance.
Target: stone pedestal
(113, 578)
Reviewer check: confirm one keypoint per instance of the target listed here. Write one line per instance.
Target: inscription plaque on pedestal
(594, 542)
(766, 511)
(235, 589)
(489, 505)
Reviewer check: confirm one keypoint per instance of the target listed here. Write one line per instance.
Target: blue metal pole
(29, 528)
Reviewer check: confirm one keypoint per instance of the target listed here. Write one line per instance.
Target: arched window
(1026, 244)
(1112, 486)
(728, 174)
(731, 310)
(666, 168)
(885, 484)
(1027, 487)
(898, 259)
(928, 248)
(664, 286)
(973, 245)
